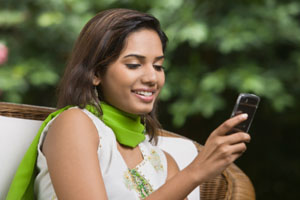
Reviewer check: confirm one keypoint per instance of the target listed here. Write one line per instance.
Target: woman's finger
(238, 148)
(235, 156)
(229, 124)
(237, 138)
(234, 152)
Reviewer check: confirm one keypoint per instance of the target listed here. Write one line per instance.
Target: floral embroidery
(134, 180)
(155, 160)
(127, 180)
(54, 197)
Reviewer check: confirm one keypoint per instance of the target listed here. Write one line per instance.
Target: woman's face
(134, 80)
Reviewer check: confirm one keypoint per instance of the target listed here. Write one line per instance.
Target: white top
(120, 182)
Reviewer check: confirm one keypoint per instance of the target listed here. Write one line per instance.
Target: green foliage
(246, 47)
(213, 48)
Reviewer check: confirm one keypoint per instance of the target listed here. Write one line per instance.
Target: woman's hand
(220, 150)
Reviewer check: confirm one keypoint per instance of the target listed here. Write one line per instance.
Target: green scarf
(127, 128)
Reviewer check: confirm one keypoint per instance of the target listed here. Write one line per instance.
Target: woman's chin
(142, 110)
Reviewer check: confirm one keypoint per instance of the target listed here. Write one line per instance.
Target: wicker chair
(231, 184)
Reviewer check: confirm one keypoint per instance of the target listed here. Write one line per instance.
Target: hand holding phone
(246, 103)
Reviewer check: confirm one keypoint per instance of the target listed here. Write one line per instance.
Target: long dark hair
(99, 44)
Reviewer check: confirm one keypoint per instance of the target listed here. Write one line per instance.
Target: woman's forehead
(144, 42)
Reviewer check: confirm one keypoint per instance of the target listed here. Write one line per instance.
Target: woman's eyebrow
(135, 55)
(159, 58)
(140, 57)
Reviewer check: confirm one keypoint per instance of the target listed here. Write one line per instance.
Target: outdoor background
(217, 49)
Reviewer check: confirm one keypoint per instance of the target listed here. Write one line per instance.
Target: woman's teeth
(144, 93)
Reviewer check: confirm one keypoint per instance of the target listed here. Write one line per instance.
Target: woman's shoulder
(76, 118)
(71, 126)
(72, 119)
(70, 148)
(72, 114)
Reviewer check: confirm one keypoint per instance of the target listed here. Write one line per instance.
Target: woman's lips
(146, 96)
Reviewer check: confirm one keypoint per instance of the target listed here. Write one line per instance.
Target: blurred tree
(216, 50)
(249, 46)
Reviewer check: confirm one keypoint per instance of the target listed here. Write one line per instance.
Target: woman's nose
(149, 75)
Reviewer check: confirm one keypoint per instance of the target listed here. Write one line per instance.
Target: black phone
(245, 103)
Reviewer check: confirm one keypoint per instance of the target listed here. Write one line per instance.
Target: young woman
(96, 149)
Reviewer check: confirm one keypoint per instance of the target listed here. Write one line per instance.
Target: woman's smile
(145, 95)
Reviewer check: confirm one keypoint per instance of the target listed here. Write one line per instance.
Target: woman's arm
(219, 151)
(173, 168)
(70, 148)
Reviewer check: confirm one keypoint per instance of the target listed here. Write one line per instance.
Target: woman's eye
(158, 67)
(133, 66)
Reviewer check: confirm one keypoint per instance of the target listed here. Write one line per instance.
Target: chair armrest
(240, 183)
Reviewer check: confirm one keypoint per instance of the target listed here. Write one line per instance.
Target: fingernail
(244, 116)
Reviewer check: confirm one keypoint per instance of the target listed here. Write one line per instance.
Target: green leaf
(50, 18)
(11, 17)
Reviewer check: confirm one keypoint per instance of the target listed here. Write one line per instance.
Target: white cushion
(184, 152)
(16, 136)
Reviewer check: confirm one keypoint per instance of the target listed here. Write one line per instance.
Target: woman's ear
(96, 80)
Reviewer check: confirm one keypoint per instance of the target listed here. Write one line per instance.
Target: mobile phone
(245, 103)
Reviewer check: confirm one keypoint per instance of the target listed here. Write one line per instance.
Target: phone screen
(246, 103)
